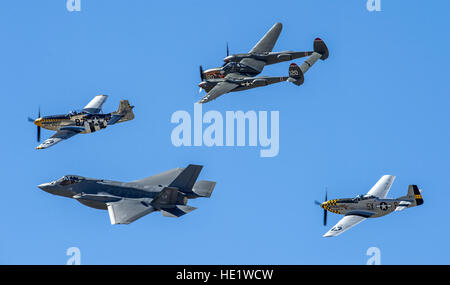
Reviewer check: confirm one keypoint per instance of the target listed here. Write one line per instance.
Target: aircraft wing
(164, 178)
(381, 188)
(62, 134)
(267, 42)
(182, 179)
(126, 210)
(255, 64)
(344, 224)
(221, 88)
(95, 105)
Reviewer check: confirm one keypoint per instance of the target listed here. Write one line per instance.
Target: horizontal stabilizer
(114, 119)
(306, 65)
(204, 188)
(177, 211)
(403, 205)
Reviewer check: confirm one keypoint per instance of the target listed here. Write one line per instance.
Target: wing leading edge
(267, 42)
(221, 88)
(382, 187)
(126, 211)
(62, 134)
(344, 224)
(96, 104)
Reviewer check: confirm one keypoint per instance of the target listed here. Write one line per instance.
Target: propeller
(228, 54)
(202, 76)
(325, 212)
(38, 127)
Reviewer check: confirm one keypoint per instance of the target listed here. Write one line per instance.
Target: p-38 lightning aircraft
(89, 120)
(239, 70)
(374, 204)
(126, 202)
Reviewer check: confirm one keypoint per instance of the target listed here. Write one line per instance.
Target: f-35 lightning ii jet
(374, 204)
(126, 202)
(89, 120)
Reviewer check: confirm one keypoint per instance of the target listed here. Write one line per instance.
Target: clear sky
(379, 105)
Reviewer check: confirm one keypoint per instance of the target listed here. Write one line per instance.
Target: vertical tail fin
(186, 179)
(321, 48)
(417, 194)
(123, 114)
(412, 199)
(296, 74)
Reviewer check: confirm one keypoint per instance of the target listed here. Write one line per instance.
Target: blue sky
(378, 105)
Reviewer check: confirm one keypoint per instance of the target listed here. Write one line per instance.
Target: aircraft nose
(38, 122)
(46, 186)
(324, 205)
(201, 84)
(227, 59)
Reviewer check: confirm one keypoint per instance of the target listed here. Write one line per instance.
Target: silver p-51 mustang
(374, 204)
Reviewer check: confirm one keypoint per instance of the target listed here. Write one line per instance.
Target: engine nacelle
(285, 57)
(259, 82)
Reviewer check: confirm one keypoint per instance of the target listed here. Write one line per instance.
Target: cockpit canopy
(69, 180)
(76, 112)
(232, 66)
(363, 197)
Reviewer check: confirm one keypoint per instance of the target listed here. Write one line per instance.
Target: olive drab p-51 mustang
(239, 71)
(374, 204)
(88, 120)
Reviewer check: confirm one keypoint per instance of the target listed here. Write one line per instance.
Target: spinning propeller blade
(38, 127)
(325, 212)
(202, 76)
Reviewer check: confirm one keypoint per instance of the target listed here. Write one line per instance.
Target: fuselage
(233, 63)
(89, 123)
(268, 57)
(96, 193)
(369, 207)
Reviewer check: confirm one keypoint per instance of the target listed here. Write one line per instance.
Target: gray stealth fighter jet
(126, 202)
(374, 204)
